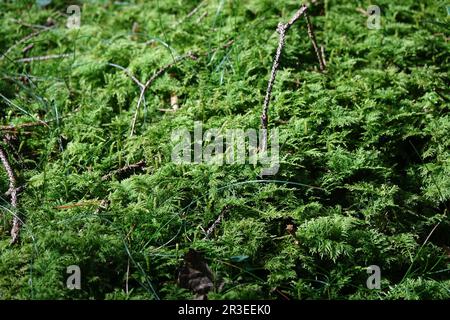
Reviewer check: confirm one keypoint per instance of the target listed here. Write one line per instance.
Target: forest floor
(90, 191)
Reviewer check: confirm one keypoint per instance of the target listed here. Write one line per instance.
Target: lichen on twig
(12, 192)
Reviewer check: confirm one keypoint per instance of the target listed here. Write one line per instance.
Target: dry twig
(31, 35)
(322, 50)
(151, 80)
(281, 29)
(12, 127)
(216, 222)
(312, 36)
(126, 170)
(79, 204)
(43, 58)
(12, 192)
(128, 73)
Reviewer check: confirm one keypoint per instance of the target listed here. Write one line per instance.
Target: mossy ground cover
(364, 174)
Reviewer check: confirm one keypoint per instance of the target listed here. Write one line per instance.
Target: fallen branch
(281, 29)
(151, 80)
(12, 192)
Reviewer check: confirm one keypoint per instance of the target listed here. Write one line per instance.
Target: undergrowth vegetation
(364, 174)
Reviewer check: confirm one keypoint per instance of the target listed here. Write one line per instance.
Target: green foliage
(365, 151)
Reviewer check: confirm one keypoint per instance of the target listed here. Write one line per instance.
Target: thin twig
(29, 25)
(281, 29)
(151, 80)
(43, 58)
(12, 191)
(312, 36)
(128, 73)
(191, 13)
(27, 48)
(13, 127)
(322, 51)
(141, 165)
(362, 11)
(79, 204)
(128, 275)
(216, 222)
(31, 35)
(204, 14)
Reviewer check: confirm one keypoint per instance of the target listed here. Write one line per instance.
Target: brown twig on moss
(128, 169)
(12, 127)
(79, 204)
(28, 37)
(281, 29)
(312, 36)
(151, 80)
(12, 192)
(128, 73)
(217, 222)
(322, 51)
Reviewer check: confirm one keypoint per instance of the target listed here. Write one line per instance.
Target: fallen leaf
(196, 275)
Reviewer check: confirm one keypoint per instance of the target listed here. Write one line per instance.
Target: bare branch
(12, 191)
(281, 29)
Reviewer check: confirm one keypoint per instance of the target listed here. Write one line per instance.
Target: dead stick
(31, 35)
(322, 50)
(12, 191)
(151, 80)
(131, 167)
(281, 29)
(79, 204)
(43, 58)
(128, 73)
(312, 36)
(20, 126)
(217, 222)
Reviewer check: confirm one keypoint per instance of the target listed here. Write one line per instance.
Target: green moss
(368, 140)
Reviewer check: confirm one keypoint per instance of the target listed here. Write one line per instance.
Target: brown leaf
(196, 275)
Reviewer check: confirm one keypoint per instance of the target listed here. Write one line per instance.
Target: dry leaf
(196, 275)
